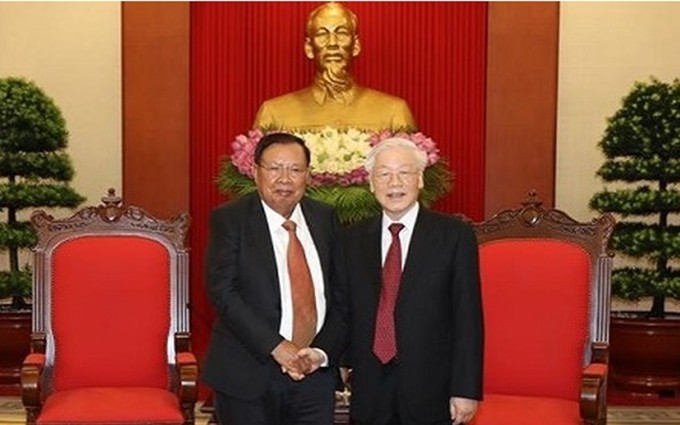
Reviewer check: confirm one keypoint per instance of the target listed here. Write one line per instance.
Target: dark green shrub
(642, 148)
(34, 172)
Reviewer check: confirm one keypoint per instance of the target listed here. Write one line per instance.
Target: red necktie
(302, 290)
(384, 343)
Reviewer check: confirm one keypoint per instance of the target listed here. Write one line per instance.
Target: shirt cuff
(325, 357)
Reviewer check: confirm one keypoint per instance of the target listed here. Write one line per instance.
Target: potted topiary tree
(34, 172)
(641, 145)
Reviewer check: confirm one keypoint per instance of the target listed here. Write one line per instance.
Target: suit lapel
(374, 258)
(262, 242)
(418, 251)
(320, 235)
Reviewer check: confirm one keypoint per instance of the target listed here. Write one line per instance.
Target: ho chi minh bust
(334, 99)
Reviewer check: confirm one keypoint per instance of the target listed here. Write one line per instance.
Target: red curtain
(431, 54)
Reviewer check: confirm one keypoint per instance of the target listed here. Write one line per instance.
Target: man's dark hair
(282, 139)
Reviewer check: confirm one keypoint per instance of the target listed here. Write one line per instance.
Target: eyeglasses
(403, 176)
(277, 170)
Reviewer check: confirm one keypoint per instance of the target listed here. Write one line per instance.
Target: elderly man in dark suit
(272, 275)
(416, 313)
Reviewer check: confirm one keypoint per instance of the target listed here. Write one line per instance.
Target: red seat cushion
(499, 409)
(133, 405)
(536, 300)
(110, 312)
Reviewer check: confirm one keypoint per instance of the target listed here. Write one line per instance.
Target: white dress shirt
(409, 222)
(279, 237)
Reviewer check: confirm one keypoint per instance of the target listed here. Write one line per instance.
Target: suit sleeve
(223, 287)
(333, 335)
(468, 350)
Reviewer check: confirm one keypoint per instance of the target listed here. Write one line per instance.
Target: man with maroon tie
(416, 315)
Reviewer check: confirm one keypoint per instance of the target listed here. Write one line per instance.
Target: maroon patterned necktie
(302, 290)
(384, 342)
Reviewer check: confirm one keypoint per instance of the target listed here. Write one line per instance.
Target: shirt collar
(408, 219)
(276, 220)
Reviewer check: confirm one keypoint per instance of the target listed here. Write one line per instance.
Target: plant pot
(15, 337)
(645, 354)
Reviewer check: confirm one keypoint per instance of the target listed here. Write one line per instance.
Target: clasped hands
(297, 362)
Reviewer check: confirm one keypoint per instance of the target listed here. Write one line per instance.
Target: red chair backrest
(536, 306)
(110, 312)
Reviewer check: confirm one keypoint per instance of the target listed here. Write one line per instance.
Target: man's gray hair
(419, 156)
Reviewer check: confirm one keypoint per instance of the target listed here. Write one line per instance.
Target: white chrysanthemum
(335, 151)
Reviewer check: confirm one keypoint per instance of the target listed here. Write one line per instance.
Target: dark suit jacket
(242, 284)
(438, 316)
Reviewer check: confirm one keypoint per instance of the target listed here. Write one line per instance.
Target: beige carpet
(12, 412)
(631, 415)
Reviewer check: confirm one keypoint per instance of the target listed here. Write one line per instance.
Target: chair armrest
(593, 405)
(187, 371)
(31, 370)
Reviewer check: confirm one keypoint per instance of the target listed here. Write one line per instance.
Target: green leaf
(29, 119)
(641, 201)
(17, 235)
(36, 165)
(16, 282)
(35, 194)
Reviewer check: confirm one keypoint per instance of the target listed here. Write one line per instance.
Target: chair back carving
(110, 284)
(546, 294)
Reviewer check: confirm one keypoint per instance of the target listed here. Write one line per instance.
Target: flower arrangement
(337, 171)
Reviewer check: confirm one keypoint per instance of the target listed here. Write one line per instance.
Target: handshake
(297, 362)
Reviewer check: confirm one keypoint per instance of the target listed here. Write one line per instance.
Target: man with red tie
(416, 314)
(273, 277)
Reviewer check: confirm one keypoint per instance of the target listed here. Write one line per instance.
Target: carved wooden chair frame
(533, 221)
(110, 218)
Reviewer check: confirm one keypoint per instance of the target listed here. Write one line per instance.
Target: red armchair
(110, 341)
(546, 292)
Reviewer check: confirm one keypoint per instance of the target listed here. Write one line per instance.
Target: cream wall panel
(73, 51)
(604, 48)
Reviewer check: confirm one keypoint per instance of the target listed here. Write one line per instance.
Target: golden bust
(334, 99)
